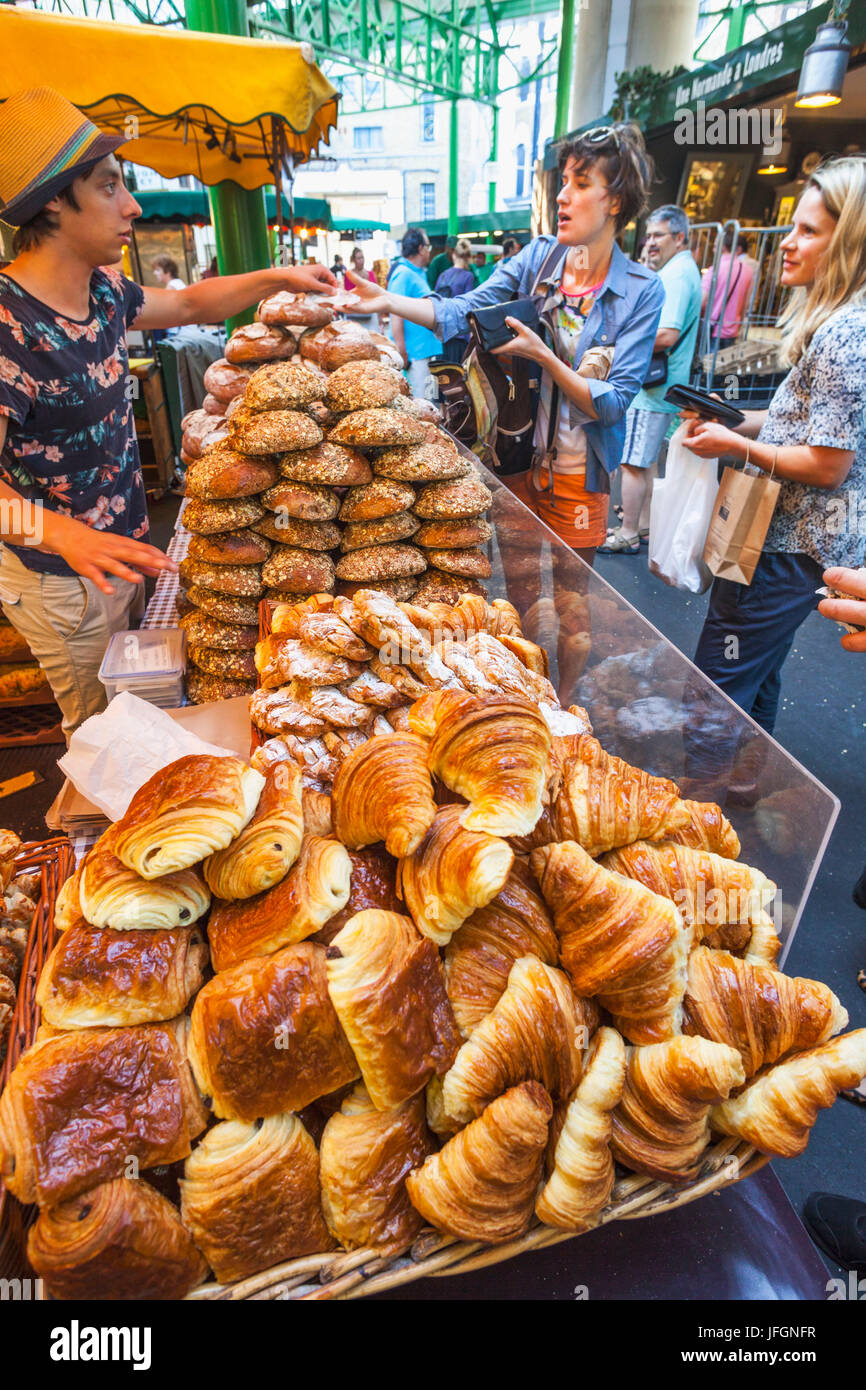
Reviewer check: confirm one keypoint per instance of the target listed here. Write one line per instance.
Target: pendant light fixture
(825, 63)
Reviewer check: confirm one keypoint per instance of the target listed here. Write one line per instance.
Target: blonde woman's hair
(463, 252)
(841, 280)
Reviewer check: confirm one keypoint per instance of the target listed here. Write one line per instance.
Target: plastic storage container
(149, 663)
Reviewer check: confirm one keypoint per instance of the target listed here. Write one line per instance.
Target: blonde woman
(812, 438)
(456, 280)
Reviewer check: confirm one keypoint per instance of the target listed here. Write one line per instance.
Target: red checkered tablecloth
(162, 611)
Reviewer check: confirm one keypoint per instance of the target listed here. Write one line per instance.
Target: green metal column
(565, 69)
(238, 214)
(453, 172)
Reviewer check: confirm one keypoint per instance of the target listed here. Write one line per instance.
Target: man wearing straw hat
(73, 520)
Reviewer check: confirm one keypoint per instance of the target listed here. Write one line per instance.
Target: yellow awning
(174, 92)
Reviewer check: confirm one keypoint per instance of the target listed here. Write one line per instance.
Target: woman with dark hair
(166, 273)
(590, 295)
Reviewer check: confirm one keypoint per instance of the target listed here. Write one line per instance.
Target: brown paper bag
(741, 518)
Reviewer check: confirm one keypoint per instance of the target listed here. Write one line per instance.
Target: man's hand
(843, 610)
(309, 279)
(96, 554)
(525, 343)
(374, 300)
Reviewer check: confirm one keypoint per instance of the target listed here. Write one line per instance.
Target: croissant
(250, 1196)
(708, 828)
(661, 1125)
(111, 895)
(764, 944)
(533, 1034)
(264, 1037)
(186, 812)
(583, 1173)
(453, 872)
(733, 936)
(80, 1107)
(365, 1156)
(778, 1108)
(268, 845)
(618, 941)
(96, 977)
(119, 1240)
(507, 671)
(67, 909)
(385, 981)
(382, 791)
(756, 1009)
(315, 888)
(482, 1184)
(493, 750)
(708, 889)
(481, 953)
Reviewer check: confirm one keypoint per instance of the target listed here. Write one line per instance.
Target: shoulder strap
(555, 256)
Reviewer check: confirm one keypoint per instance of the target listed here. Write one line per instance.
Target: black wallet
(490, 326)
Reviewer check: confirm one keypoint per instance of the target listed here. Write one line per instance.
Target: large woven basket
(54, 861)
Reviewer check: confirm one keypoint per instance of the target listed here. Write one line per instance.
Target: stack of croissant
(495, 963)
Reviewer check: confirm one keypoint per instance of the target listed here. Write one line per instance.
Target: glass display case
(650, 705)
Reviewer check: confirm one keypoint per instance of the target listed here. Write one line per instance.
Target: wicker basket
(55, 862)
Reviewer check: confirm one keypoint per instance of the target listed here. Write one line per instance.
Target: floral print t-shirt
(822, 402)
(64, 388)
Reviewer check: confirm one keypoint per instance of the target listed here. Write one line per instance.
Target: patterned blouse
(822, 402)
(65, 391)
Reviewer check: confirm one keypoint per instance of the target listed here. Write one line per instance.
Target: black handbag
(657, 371)
(489, 323)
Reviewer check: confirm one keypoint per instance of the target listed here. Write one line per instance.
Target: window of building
(368, 137)
(428, 121)
(428, 201)
(372, 91)
(521, 171)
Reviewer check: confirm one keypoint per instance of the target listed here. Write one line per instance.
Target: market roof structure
(191, 205)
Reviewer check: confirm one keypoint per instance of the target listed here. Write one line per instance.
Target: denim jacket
(625, 315)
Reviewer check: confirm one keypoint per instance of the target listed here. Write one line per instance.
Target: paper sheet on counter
(114, 753)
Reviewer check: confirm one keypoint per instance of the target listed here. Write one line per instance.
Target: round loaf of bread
(204, 631)
(292, 570)
(290, 530)
(339, 343)
(382, 427)
(239, 666)
(382, 562)
(211, 406)
(324, 416)
(187, 459)
(308, 501)
(303, 309)
(225, 381)
(183, 604)
(274, 432)
(453, 535)
(244, 581)
(285, 386)
(471, 564)
(257, 342)
(205, 518)
(362, 386)
(374, 500)
(418, 407)
(420, 463)
(327, 463)
(462, 497)
(230, 548)
(400, 590)
(283, 596)
(224, 606)
(223, 472)
(437, 587)
(204, 689)
(360, 534)
(234, 405)
(202, 430)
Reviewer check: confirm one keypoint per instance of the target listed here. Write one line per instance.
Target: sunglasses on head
(600, 134)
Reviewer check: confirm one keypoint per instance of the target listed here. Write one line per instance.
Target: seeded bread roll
(287, 308)
(400, 590)
(472, 564)
(206, 518)
(420, 463)
(223, 606)
(377, 427)
(360, 534)
(236, 666)
(230, 548)
(244, 581)
(204, 631)
(183, 604)
(204, 689)
(327, 463)
(460, 498)
(223, 472)
(225, 381)
(377, 499)
(382, 562)
(308, 501)
(362, 386)
(257, 342)
(274, 432)
(308, 535)
(282, 596)
(324, 416)
(339, 343)
(437, 587)
(294, 571)
(453, 535)
(285, 386)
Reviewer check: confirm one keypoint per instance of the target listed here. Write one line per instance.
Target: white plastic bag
(682, 505)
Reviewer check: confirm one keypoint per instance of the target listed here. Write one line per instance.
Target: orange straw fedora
(45, 143)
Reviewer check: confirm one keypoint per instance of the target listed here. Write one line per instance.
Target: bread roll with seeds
(463, 497)
(285, 386)
(362, 386)
(360, 534)
(437, 587)
(204, 689)
(330, 464)
(256, 342)
(470, 564)
(207, 518)
(308, 535)
(382, 562)
(230, 548)
(274, 432)
(204, 631)
(454, 535)
(400, 590)
(244, 612)
(244, 581)
(420, 463)
(291, 570)
(226, 665)
(223, 473)
(375, 500)
(377, 427)
(306, 501)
